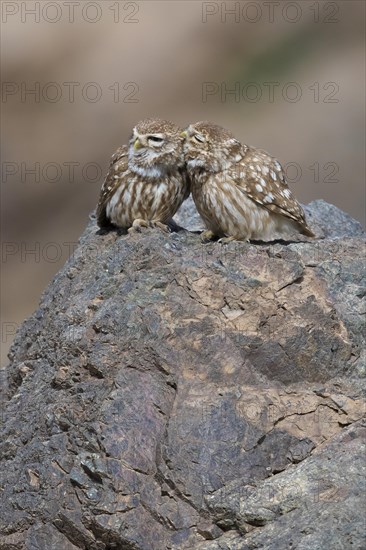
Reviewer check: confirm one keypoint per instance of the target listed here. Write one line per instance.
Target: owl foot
(138, 225)
(207, 236)
(226, 240)
(161, 226)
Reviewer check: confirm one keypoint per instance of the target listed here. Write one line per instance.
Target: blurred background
(287, 77)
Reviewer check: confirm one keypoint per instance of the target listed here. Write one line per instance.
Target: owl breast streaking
(146, 182)
(239, 191)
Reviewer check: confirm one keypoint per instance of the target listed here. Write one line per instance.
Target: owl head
(155, 147)
(209, 147)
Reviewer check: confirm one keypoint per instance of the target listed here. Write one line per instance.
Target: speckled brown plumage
(146, 182)
(239, 191)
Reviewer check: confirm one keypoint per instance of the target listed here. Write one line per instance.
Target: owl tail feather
(304, 230)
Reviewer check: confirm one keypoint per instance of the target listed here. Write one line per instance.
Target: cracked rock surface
(174, 395)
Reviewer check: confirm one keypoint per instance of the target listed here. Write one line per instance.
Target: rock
(333, 222)
(173, 395)
(313, 505)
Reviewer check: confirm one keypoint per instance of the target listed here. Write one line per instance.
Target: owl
(240, 192)
(146, 182)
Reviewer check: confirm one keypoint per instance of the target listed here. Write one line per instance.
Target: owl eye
(155, 139)
(199, 138)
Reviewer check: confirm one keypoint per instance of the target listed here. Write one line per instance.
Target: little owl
(239, 191)
(146, 182)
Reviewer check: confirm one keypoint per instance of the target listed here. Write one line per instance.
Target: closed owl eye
(199, 138)
(155, 139)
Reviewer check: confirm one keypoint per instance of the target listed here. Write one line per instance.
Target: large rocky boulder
(174, 395)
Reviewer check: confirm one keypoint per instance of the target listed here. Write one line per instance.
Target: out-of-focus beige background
(284, 76)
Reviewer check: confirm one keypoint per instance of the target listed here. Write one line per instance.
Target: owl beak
(137, 144)
(184, 134)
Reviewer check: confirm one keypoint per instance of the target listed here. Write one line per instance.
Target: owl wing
(262, 178)
(117, 167)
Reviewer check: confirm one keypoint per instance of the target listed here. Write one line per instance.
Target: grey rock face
(174, 395)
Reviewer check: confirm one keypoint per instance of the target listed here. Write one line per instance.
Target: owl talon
(226, 240)
(161, 226)
(207, 236)
(137, 226)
